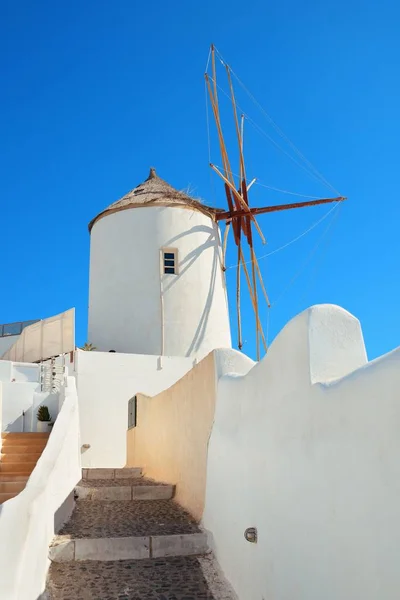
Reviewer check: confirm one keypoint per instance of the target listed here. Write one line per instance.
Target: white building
(157, 297)
(302, 447)
(156, 281)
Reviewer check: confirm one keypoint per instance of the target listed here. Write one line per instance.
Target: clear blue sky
(93, 93)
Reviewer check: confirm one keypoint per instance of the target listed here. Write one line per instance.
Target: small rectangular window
(170, 262)
(132, 407)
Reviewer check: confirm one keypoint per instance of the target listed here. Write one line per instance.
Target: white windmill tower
(156, 280)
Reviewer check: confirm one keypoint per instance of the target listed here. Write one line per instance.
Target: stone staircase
(19, 455)
(128, 539)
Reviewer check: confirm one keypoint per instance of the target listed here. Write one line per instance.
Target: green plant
(43, 414)
(88, 347)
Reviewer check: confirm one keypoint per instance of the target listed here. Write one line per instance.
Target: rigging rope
(306, 165)
(274, 142)
(275, 189)
(305, 263)
(294, 239)
(330, 227)
(208, 60)
(296, 162)
(318, 265)
(277, 128)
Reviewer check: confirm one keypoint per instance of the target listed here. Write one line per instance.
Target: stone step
(4, 496)
(13, 457)
(124, 492)
(15, 446)
(124, 518)
(12, 486)
(17, 468)
(11, 435)
(185, 577)
(65, 548)
(125, 473)
(9, 477)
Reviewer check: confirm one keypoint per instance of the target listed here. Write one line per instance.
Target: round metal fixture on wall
(250, 535)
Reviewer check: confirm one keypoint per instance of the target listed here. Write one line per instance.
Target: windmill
(240, 216)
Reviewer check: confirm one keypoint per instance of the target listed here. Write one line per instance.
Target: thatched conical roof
(154, 192)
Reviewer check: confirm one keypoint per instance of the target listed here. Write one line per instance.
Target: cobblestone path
(96, 518)
(167, 578)
(177, 578)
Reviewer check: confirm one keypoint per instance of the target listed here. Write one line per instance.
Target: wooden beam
(239, 317)
(242, 140)
(235, 222)
(238, 213)
(268, 209)
(215, 109)
(238, 132)
(252, 182)
(253, 274)
(262, 284)
(252, 299)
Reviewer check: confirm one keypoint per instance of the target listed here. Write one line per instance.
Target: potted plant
(43, 419)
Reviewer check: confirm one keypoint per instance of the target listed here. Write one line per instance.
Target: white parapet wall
(106, 381)
(306, 448)
(28, 521)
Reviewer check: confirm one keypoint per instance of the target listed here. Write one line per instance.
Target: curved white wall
(126, 284)
(306, 448)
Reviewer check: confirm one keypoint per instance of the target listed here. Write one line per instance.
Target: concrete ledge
(112, 548)
(125, 492)
(104, 493)
(152, 492)
(65, 549)
(179, 545)
(62, 550)
(127, 473)
(98, 473)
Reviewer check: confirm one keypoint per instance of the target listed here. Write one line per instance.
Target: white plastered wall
(306, 448)
(106, 381)
(133, 308)
(28, 521)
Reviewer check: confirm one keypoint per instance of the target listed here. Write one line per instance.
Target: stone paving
(172, 578)
(178, 578)
(103, 519)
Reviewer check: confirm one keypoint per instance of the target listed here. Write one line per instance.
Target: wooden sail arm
(268, 209)
(239, 202)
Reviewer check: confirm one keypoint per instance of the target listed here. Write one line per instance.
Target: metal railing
(52, 375)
